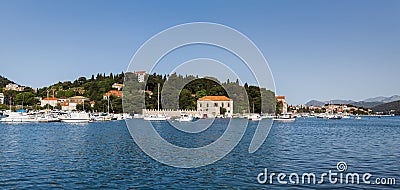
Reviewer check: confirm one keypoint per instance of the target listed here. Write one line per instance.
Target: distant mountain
(366, 104)
(388, 107)
(321, 103)
(315, 103)
(383, 99)
(4, 81)
(341, 102)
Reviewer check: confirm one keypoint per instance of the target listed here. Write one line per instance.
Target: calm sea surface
(104, 155)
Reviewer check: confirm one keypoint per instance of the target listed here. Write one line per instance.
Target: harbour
(103, 154)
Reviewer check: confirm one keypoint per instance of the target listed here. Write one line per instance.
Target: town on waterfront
(100, 98)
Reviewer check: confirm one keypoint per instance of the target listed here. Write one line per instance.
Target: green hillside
(388, 108)
(4, 81)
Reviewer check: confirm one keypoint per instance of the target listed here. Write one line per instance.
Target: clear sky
(316, 49)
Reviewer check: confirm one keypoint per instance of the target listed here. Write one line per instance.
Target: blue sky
(316, 49)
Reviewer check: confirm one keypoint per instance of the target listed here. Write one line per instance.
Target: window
(223, 104)
(215, 104)
(207, 104)
(228, 105)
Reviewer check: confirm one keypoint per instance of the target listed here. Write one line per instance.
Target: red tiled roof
(280, 97)
(215, 98)
(114, 92)
(50, 98)
(140, 72)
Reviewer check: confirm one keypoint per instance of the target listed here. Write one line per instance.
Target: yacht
(18, 117)
(76, 117)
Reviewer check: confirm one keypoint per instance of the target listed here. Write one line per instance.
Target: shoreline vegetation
(97, 86)
(102, 96)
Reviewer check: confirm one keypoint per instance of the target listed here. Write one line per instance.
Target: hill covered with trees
(4, 81)
(193, 88)
(245, 97)
(388, 108)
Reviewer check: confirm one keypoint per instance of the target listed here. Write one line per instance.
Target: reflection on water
(104, 155)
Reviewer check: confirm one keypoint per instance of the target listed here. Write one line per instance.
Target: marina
(90, 155)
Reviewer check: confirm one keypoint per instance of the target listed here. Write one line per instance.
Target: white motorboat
(335, 117)
(284, 118)
(357, 118)
(185, 117)
(101, 117)
(76, 117)
(122, 116)
(254, 117)
(18, 117)
(157, 117)
(47, 118)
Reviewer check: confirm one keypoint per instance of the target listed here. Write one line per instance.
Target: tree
(222, 110)
(279, 107)
(201, 93)
(26, 98)
(186, 100)
(88, 108)
(58, 106)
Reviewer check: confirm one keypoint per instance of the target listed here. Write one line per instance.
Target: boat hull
(284, 120)
(75, 120)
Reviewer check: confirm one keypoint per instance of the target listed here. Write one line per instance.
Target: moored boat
(76, 117)
(185, 117)
(284, 118)
(255, 117)
(18, 117)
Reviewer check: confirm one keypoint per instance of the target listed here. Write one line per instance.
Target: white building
(14, 87)
(51, 101)
(118, 86)
(1, 98)
(209, 106)
(72, 102)
(140, 75)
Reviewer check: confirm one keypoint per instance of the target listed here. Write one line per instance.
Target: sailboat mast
(158, 98)
(108, 104)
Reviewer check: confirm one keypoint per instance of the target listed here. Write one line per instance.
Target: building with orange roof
(210, 106)
(283, 100)
(140, 75)
(71, 103)
(51, 101)
(112, 93)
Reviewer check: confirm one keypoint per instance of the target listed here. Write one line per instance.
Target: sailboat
(158, 117)
(254, 116)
